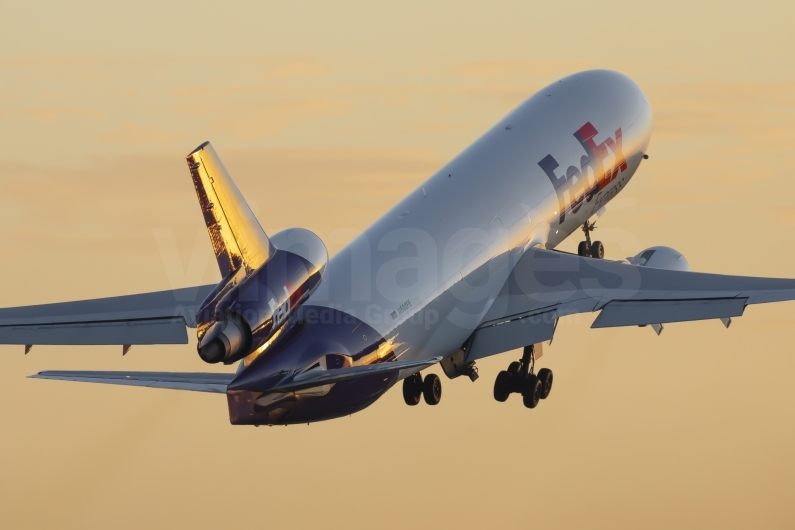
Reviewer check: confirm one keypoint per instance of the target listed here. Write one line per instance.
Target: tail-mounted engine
(246, 310)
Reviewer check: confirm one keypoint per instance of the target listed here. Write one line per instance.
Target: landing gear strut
(586, 248)
(430, 388)
(519, 378)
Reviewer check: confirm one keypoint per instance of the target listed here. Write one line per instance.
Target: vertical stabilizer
(237, 237)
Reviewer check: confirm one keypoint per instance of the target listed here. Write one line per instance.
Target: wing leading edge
(545, 285)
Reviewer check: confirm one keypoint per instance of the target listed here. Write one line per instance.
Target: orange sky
(326, 115)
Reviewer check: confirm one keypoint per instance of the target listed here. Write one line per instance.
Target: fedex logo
(582, 183)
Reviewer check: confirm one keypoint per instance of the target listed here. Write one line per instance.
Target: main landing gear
(586, 248)
(520, 379)
(429, 388)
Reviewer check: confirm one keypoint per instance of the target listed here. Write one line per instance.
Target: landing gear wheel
(502, 386)
(412, 389)
(597, 250)
(545, 376)
(586, 248)
(531, 393)
(432, 389)
(514, 367)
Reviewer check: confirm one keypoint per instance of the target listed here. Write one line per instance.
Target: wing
(150, 318)
(318, 377)
(545, 285)
(199, 382)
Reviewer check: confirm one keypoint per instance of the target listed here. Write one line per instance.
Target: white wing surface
(150, 318)
(545, 285)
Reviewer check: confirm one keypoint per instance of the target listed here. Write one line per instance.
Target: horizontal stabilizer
(318, 377)
(199, 382)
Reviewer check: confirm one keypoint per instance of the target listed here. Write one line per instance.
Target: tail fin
(237, 237)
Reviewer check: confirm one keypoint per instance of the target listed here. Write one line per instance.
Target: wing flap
(198, 382)
(154, 331)
(641, 313)
(767, 297)
(511, 334)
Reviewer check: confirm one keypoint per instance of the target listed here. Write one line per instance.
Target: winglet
(238, 239)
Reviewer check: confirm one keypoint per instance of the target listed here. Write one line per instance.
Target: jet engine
(660, 258)
(246, 310)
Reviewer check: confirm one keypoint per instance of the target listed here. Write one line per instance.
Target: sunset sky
(326, 115)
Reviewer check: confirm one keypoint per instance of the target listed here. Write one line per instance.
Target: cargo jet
(462, 268)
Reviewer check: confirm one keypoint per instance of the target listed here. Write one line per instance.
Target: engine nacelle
(661, 258)
(245, 311)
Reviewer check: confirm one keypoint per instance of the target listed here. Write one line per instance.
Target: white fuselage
(426, 272)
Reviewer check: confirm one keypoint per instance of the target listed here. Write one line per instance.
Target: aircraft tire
(432, 389)
(597, 250)
(502, 386)
(412, 389)
(514, 367)
(545, 376)
(582, 249)
(531, 393)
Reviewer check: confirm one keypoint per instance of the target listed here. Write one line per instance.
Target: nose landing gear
(586, 248)
(520, 379)
(430, 389)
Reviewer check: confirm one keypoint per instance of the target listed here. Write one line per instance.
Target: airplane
(462, 268)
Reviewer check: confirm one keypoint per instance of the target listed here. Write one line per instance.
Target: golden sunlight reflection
(326, 116)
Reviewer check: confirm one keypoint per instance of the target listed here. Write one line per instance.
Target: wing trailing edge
(149, 318)
(197, 382)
